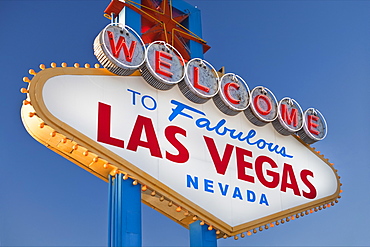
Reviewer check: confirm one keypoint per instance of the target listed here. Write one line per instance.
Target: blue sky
(316, 52)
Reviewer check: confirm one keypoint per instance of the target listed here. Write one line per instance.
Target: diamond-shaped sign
(193, 161)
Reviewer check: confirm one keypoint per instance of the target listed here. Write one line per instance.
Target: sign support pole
(200, 236)
(124, 212)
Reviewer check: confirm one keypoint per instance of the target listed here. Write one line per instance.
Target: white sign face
(232, 169)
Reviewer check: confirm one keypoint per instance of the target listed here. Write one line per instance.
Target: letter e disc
(119, 49)
(163, 67)
(233, 96)
(314, 128)
(290, 117)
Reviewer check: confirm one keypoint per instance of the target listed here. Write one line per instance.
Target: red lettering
(220, 164)
(258, 106)
(104, 122)
(288, 174)
(144, 124)
(183, 154)
(260, 161)
(312, 193)
(196, 81)
(227, 92)
(242, 164)
(311, 119)
(289, 118)
(160, 64)
(121, 44)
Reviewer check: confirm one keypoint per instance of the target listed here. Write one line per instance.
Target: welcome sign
(222, 169)
(202, 144)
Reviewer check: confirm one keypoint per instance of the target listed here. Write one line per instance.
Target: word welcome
(162, 66)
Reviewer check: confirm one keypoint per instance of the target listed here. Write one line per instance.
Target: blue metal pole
(115, 212)
(110, 202)
(119, 211)
(124, 223)
(200, 236)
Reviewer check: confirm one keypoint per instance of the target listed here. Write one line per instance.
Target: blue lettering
(272, 149)
(237, 193)
(190, 181)
(134, 93)
(208, 185)
(237, 136)
(251, 134)
(223, 190)
(263, 200)
(179, 108)
(221, 130)
(147, 107)
(282, 152)
(251, 196)
(218, 126)
(260, 143)
(203, 122)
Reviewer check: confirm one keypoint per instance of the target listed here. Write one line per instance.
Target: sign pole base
(200, 236)
(124, 212)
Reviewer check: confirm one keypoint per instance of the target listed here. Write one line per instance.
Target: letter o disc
(233, 95)
(286, 123)
(263, 107)
(311, 134)
(163, 67)
(116, 59)
(200, 82)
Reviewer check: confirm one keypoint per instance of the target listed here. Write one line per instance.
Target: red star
(160, 21)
